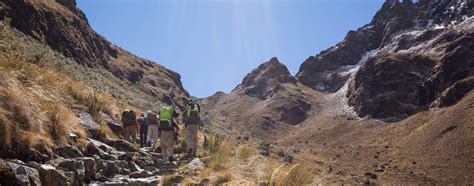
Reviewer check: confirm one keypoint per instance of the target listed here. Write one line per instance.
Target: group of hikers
(163, 125)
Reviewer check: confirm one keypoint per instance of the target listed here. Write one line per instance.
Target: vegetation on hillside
(38, 98)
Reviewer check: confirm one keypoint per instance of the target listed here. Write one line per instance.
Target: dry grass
(36, 99)
(281, 174)
(223, 177)
(181, 147)
(298, 174)
(168, 180)
(220, 153)
(246, 151)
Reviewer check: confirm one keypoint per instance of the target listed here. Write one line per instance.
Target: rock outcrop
(268, 98)
(266, 80)
(417, 52)
(272, 82)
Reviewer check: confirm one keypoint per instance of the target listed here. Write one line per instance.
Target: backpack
(166, 117)
(142, 121)
(128, 118)
(151, 118)
(192, 114)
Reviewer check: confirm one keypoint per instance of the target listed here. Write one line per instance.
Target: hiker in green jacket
(191, 119)
(167, 129)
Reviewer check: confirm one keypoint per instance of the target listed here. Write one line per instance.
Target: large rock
(75, 169)
(122, 145)
(24, 175)
(196, 163)
(7, 176)
(90, 169)
(69, 152)
(155, 180)
(113, 123)
(140, 174)
(51, 176)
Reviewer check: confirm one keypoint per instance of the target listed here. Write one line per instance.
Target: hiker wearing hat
(143, 129)
(191, 119)
(130, 125)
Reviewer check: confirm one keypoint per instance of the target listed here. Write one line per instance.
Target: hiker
(143, 130)
(167, 129)
(191, 119)
(152, 124)
(130, 125)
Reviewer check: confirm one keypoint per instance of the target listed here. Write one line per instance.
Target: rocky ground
(100, 164)
(116, 162)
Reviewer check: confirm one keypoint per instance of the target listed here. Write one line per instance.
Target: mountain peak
(266, 78)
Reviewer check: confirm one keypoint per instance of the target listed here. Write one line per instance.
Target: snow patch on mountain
(340, 95)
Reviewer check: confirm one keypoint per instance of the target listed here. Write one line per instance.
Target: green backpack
(166, 117)
(192, 114)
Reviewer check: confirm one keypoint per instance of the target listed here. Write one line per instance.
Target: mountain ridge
(65, 28)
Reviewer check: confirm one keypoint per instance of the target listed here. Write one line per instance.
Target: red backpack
(151, 119)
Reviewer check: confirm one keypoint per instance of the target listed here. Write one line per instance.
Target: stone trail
(98, 164)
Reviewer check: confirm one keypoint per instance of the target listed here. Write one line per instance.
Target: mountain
(423, 47)
(65, 28)
(268, 98)
(391, 103)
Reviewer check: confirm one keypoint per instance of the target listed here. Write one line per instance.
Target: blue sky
(213, 44)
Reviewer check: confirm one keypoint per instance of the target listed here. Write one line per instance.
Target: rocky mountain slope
(268, 98)
(63, 87)
(64, 27)
(412, 56)
(423, 47)
(385, 105)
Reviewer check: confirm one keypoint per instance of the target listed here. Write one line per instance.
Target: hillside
(63, 87)
(390, 104)
(63, 27)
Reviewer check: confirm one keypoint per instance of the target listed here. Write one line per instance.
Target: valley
(392, 103)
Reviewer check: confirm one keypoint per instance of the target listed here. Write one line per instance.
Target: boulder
(196, 163)
(109, 168)
(69, 152)
(86, 120)
(126, 156)
(24, 175)
(155, 180)
(133, 166)
(122, 145)
(114, 124)
(90, 169)
(7, 176)
(140, 174)
(51, 176)
(75, 166)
